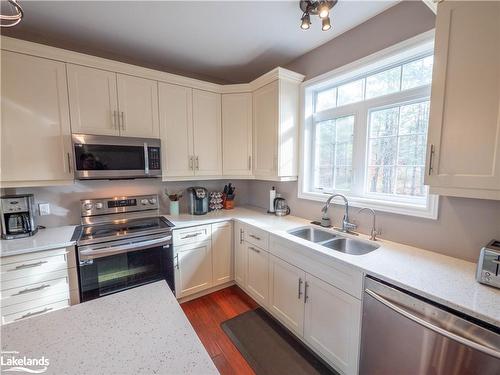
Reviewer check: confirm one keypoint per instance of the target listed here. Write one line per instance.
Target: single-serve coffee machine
(198, 200)
(17, 216)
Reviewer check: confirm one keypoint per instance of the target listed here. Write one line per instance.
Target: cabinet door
(240, 255)
(237, 134)
(193, 271)
(138, 106)
(332, 324)
(207, 133)
(92, 100)
(265, 117)
(464, 127)
(258, 274)
(286, 293)
(222, 252)
(176, 130)
(35, 126)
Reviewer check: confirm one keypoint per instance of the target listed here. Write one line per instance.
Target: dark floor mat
(269, 348)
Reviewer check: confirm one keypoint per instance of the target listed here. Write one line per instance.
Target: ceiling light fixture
(316, 8)
(9, 20)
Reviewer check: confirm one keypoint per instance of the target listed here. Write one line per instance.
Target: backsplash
(65, 200)
(464, 225)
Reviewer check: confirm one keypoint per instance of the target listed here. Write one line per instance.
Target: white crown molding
(71, 57)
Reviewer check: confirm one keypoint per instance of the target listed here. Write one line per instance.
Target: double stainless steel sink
(334, 241)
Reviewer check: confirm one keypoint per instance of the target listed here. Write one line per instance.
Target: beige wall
(398, 23)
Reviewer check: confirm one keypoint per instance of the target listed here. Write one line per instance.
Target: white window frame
(413, 48)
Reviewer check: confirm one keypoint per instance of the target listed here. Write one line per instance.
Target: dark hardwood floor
(207, 313)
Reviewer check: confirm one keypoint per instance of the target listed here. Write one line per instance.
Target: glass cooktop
(125, 228)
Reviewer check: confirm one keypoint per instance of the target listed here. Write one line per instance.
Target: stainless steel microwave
(100, 157)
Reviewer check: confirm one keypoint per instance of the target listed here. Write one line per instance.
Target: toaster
(488, 266)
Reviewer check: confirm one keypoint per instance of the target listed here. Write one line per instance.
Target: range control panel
(104, 206)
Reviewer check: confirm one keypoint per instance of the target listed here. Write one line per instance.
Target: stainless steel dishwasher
(406, 334)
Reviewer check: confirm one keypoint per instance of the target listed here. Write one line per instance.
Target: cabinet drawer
(192, 235)
(257, 237)
(35, 311)
(31, 308)
(37, 290)
(31, 267)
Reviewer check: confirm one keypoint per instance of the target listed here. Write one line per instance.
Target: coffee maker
(198, 200)
(17, 216)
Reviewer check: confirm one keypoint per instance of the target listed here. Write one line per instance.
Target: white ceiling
(230, 41)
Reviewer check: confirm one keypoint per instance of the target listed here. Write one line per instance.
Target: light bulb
(306, 22)
(323, 9)
(325, 24)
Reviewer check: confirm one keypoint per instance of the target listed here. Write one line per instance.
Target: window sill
(430, 211)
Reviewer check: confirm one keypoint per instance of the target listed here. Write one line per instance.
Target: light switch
(44, 209)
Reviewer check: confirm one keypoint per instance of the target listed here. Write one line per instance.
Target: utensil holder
(174, 208)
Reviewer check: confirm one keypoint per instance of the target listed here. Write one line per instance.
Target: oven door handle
(87, 252)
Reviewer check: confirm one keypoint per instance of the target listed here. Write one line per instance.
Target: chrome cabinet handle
(306, 297)
(69, 162)
(191, 235)
(28, 265)
(300, 287)
(29, 290)
(254, 249)
(432, 327)
(431, 157)
(249, 163)
(241, 235)
(191, 166)
(255, 237)
(35, 313)
(177, 260)
(122, 117)
(114, 120)
(197, 163)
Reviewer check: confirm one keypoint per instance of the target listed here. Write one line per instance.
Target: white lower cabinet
(222, 253)
(257, 274)
(193, 268)
(240, 255)
(332, 324)
(286, 293)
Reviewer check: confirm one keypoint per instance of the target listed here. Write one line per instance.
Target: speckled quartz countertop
(444, 279)
(44, 239)
(138, 331)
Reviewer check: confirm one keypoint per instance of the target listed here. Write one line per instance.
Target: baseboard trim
(205, 292)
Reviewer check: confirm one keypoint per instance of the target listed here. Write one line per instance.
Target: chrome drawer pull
(35, 313)
(300, 287)
(255, 237)
(241, 236)
(30, 265)
(191, 235)
(254, 249)
(29, 290)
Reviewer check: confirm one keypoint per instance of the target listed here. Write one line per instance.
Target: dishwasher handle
(462, 340)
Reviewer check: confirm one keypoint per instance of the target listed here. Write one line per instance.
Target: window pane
(412, 150)
(381, 180)
(414, 118)
(333, 154)
(326, 99)
(417, 73)
(384, 122)
(410, 181)
(383, 83)
(382, 151)
(350, 92)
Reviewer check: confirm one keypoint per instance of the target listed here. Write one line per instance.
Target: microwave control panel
(154, 157)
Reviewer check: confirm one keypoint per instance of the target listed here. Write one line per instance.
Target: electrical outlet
(44, 209)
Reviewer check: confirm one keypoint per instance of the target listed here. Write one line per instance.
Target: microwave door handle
(146, 159)
(88, 253)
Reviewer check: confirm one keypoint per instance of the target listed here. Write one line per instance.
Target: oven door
(108, 268)
(112, 157)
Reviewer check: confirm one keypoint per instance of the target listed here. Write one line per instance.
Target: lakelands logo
(11, 361)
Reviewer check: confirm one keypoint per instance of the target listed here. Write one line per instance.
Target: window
(365, 132)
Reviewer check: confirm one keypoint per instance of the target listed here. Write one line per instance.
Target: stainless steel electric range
(122, 243)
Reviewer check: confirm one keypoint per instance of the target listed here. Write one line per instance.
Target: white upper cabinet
(275, 126)
(35, 125)
(207, 129)
(138, 106)
(107, 103)
(176, 130)
(93, 101)
(237, 134)
(464, 130)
